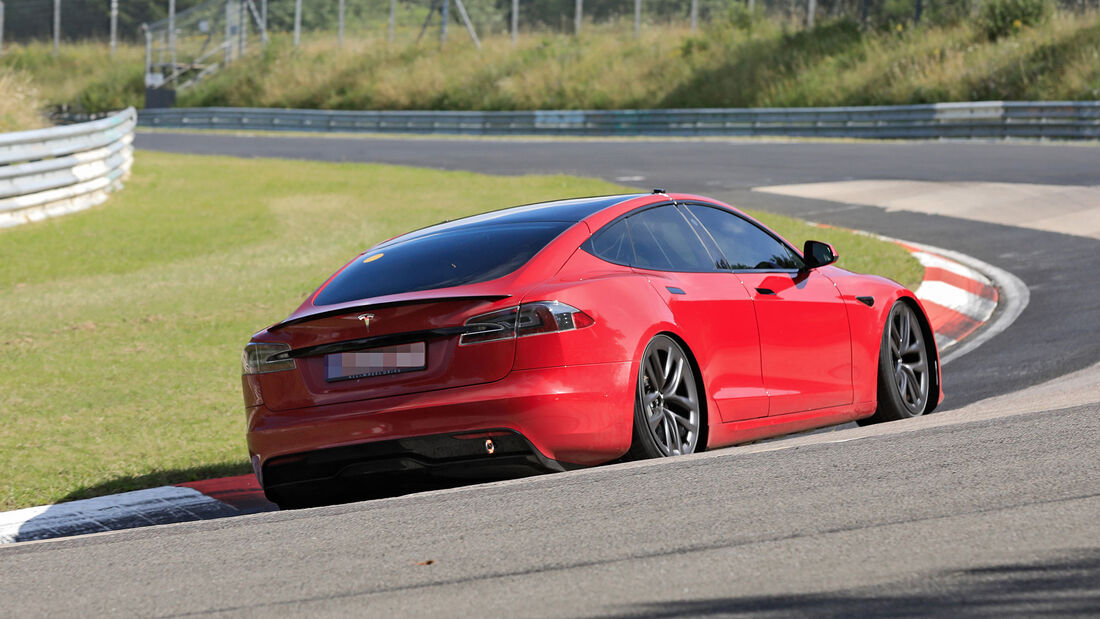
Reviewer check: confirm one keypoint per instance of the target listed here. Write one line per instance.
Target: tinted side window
(451, 258)
(664, 241)
(745, 246)
(613, 244)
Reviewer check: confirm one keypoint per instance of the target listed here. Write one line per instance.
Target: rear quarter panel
(628, 312)
(867, 324)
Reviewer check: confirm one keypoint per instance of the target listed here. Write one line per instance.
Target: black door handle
(767, 291)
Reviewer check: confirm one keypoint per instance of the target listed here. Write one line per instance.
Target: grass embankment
(754, 64)
(765, 65)
(123, 325)
(83, 76)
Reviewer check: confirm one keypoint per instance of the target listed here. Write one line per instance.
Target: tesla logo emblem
(366, 318)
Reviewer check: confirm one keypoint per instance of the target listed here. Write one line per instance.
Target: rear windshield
(452, 258)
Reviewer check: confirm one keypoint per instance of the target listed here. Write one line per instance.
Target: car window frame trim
(774, 236)
(589, 242)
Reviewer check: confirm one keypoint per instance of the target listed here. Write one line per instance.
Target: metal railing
(1069, 120)
(50, 172)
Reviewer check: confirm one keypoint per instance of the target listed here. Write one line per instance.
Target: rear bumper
(577, 415)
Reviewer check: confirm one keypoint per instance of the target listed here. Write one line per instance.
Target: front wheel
(667, 408)
(904, 371)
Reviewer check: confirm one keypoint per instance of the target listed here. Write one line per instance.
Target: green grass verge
(123, 325)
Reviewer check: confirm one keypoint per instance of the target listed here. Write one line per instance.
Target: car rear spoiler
(356, 307)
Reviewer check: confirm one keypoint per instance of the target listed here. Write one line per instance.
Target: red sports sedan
(573, 333)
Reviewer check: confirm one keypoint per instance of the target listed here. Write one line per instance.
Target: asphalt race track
(986, 508)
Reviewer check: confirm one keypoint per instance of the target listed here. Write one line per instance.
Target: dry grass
(83, 74)
(20, 108)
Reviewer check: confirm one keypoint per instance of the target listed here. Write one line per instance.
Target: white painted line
(48, 520)
(629, 179)
(931, 261)
(953, 297)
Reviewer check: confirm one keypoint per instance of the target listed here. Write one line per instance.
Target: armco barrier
(50, 172)
(986, 119)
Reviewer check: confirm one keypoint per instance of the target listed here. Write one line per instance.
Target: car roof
(571, 211)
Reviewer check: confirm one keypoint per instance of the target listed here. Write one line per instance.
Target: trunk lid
(364, 351)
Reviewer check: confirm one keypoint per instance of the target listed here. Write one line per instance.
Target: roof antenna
(662, 192)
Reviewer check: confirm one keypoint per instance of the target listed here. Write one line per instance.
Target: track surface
(957, 513)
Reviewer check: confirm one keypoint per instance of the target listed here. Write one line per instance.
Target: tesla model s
(573, 333)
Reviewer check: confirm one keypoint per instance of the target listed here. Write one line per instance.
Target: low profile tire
(667, 406)
(904, 368)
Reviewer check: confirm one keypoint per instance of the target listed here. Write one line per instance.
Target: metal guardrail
(50, 172)
(1068, 120)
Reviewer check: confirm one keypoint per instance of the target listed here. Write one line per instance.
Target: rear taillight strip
(535, 318)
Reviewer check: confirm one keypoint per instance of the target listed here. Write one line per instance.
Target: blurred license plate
(376, 361)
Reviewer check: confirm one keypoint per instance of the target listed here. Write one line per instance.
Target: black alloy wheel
(904, 372)
(667, 410)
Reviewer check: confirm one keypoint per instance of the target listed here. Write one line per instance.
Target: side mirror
(818, 254)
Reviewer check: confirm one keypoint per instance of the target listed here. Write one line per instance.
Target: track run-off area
(987, 507)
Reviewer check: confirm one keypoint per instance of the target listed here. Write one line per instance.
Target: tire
(904, 371)
(668, 419)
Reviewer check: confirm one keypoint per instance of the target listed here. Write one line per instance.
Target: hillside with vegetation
(740, 61)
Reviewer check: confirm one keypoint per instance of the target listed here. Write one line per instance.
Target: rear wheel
(904, 371)
(667, 407)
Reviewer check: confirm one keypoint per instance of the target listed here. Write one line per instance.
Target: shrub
(999, 18)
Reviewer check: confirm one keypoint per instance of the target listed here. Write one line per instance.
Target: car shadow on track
(165, 477)
(1063, 586)
(376, 487)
